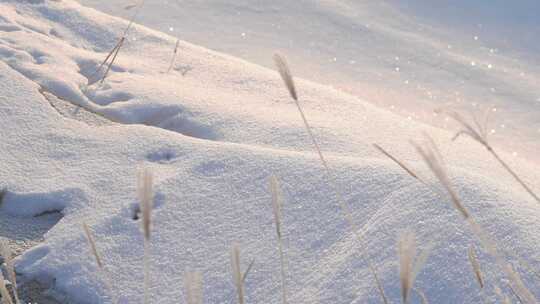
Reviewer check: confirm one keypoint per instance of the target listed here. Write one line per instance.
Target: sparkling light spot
(475, 37)
(473, 63)
(489, 66)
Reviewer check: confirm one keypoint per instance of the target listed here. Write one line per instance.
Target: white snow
(213, 131)
(323, 37)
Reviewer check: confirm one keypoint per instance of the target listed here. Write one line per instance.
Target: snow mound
(233, 126)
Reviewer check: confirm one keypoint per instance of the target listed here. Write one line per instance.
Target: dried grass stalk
(146, 200)
(5, 251)
(114, 52)
(93, 246)
(433, 159)
(423, 298)
(286, 75)
(193, 286)
(478, 231)
(246, 272)
(285, 72)
(173, 59)
(479, 133)
(237, 274)
(476, 267)
(406, 253)
(6, 297)
(276, 207)
(101, 266)
(399, 163)
(504, 298)
(409, 266)
(379, 285)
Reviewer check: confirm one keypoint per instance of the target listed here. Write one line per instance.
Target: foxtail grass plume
(237, 274)
(5, 251)
(406, 252)
(146, 200)
(193, 286)
(284, 71)
(433, 159)
(409, 265)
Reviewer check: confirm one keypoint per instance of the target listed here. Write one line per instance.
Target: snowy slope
(407, 56)
(213, 135)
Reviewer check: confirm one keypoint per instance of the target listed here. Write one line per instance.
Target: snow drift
(213, 136)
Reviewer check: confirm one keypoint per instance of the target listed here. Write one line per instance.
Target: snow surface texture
(408, 56)
(213, 136)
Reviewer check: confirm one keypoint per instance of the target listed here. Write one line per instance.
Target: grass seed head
(285, 72)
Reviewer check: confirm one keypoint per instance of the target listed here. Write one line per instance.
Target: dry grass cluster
(410, 263)
(409, 260)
